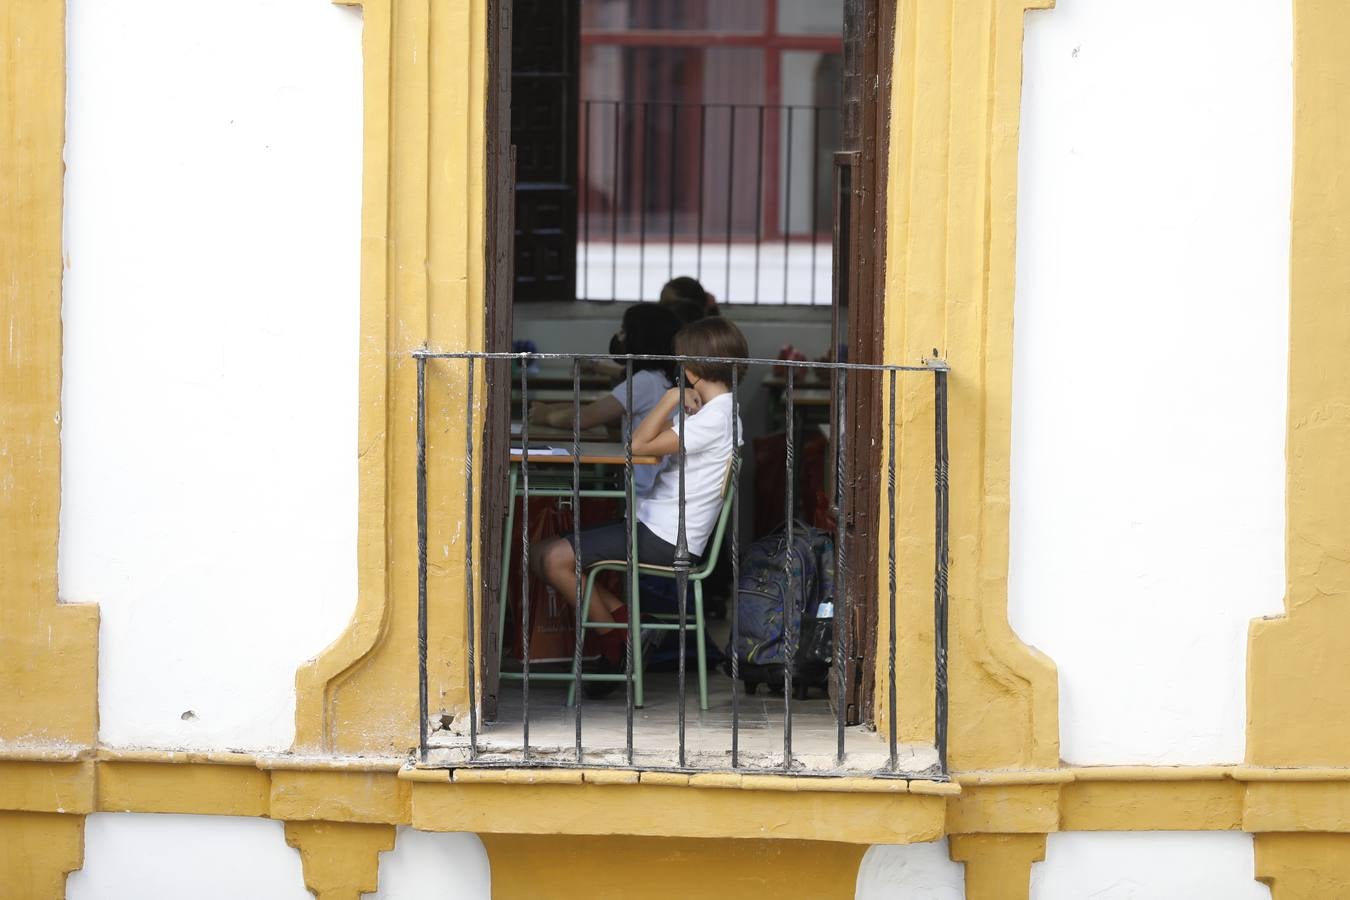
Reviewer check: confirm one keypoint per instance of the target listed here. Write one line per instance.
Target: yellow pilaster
(1298, 680)
(48, 651)
(422, 282)
(1304, 866)
(1298, 676)
(526, 867)
(951, 238)
(998, 866)
(37, 852)
(341, 860)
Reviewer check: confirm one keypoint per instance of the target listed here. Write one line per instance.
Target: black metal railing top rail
(737, 195)
(804, 389)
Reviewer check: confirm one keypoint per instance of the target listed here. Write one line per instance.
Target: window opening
(704, 158)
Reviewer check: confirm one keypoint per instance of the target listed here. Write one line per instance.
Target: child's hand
(692, 401)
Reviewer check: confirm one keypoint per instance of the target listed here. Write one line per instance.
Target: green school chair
(668, 621)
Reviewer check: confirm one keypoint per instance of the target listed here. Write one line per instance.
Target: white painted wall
(425, 864)
(1149, 375)
(910, 872)
(210, 393)
(1148, 865)
(131, 856)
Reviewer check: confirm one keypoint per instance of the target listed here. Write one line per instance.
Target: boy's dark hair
(649, 329)
(715, 337)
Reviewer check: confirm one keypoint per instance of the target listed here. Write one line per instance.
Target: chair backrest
(715, 545)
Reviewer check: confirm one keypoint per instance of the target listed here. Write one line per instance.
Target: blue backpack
(767, 616)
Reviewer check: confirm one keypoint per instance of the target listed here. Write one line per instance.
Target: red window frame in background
(773, 45)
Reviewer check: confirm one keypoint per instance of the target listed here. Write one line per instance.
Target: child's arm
(559, 415)
(656, 436)
(604, 367)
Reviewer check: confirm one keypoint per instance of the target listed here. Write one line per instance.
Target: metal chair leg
(702, 650)
(634, 627)
(504, 593)
(583, 610)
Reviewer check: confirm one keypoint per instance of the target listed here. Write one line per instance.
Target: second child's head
(687, 299)
(712, 337)
(648, 329)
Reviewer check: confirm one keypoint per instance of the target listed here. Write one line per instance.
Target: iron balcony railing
(819, 389)
(739, 195)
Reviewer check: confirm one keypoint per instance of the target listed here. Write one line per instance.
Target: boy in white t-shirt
(708, 436)
(647, 329)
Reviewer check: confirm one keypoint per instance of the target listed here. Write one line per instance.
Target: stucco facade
(225, 231)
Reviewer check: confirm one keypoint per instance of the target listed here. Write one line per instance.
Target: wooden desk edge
(587, 459)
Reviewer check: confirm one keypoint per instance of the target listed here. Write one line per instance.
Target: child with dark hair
(708, 435)
(687, 298)
(646, 329)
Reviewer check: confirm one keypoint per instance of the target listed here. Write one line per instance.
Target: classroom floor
(656, 731)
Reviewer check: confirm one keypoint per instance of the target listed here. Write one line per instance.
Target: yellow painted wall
(953, 176)
(952, 208)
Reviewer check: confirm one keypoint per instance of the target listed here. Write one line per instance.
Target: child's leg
(557, 565)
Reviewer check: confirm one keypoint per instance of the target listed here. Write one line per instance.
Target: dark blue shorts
(610, 542)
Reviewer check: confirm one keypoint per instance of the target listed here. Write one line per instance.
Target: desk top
(602, 453)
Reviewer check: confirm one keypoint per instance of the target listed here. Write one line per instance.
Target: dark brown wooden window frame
(868, 43)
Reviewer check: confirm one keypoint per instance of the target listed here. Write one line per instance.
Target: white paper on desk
(539, 451)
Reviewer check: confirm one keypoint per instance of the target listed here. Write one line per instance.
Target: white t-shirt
(707, 450)
(648, 388)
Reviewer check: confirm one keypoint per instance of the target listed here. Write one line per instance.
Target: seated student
(647, 329)
(708, 432)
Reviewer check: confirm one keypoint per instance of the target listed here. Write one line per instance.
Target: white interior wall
(910, 872)
(571, 328)
(1149, 376)
(430, 864)
(210, 363)
(1147, 865)
(133, 856)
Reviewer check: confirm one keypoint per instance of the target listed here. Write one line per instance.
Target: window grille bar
(890, 556)
(940, 611)
(614, 212)
(731, 171)
(577, 615)
(735, 568)
(670, 196)
(423, 705)
(702, 172)
(470, 625)
(525, 556)
(681, 569)
(841, 617)
(673, 358)
(630, 520)
(790, 510)
(644, 170)
(585, 180)
(759, 203)
(787, 205)
(815, 205)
